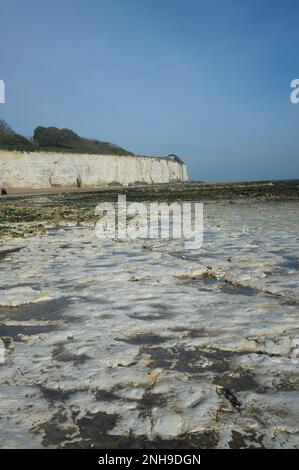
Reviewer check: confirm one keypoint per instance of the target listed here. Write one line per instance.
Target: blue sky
(207, 80)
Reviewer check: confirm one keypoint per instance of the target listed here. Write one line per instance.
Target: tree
(10, 140)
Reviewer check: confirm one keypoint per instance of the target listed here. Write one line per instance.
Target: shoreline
(232, 188)
(29, 214)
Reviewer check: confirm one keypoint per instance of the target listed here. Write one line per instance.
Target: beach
(146, 343)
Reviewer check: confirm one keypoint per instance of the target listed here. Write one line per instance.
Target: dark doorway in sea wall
(79, 182)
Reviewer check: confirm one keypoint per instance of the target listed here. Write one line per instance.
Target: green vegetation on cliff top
(10, 140)
(55, 140)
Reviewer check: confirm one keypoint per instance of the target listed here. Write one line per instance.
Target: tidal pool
(148, 344)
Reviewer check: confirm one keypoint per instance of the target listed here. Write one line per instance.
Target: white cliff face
(47, 169)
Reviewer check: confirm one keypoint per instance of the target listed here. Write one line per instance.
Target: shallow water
(148, 344)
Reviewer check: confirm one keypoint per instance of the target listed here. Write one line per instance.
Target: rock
(17, 296)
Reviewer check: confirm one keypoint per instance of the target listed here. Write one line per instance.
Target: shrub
(52, 138)
(10, 140)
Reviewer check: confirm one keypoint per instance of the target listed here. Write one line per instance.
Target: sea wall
(49, 169)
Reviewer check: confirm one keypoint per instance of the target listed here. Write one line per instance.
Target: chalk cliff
(48, 169)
